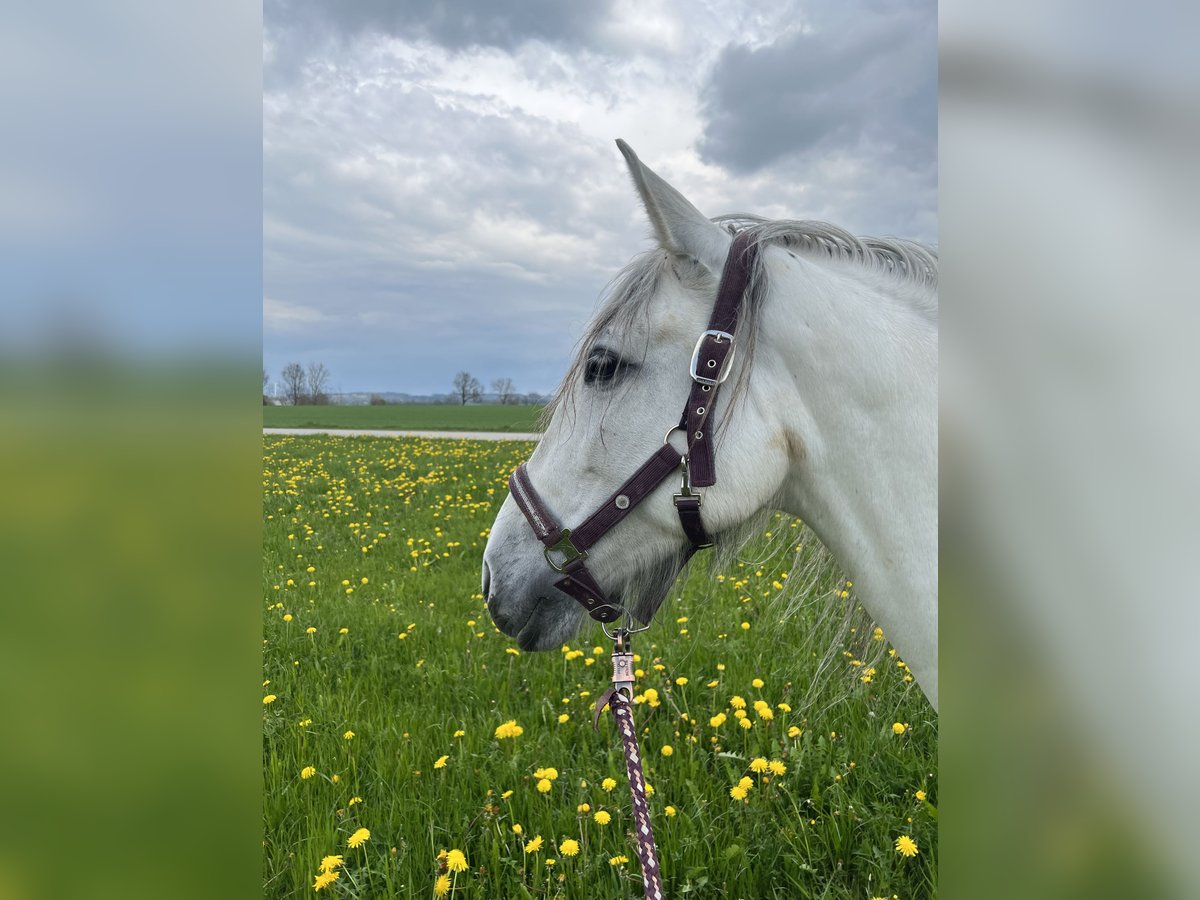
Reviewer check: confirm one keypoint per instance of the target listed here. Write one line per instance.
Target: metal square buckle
(569, 551)
(726, 366)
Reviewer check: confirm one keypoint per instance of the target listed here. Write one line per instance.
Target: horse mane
(910, 266)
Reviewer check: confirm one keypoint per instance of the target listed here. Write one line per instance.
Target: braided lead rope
(646, 849)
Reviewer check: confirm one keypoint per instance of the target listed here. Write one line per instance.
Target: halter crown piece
(712, 360)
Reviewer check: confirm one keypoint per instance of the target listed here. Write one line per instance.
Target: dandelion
(608, 784)
(269, 699)
(568, 847)
(757, 683)
(758, 764)
(737, 702)
(310, 630)
(308, 772)
(441, 887)
(602, 818)
(324, 880)
(534, 845)
(765, 713)
(746, 724)
(509, 729)
(794, 731)
(667, 750)
(717, 721)
(343, 631)
(456, 861)
(583, 808)
(777, 767)
(681, 681)
(329, 863)
(354, 800)
(618, 860)
(348, 736)
(459, 733)
(899, 728)
(669, 812)
(737, 792)
(287, 617)
(550, 773)
(441, 762)
(544, 785)
(359, 838)
(920, 795)
(746, 782)
(506, 795)
(906, 846)
(517, 828)
(563, 718)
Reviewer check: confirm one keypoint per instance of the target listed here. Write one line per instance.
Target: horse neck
(859, 409)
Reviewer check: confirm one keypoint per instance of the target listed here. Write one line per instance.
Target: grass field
(385, 684)
(406, 417)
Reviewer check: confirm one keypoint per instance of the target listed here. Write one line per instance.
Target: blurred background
(130, 341)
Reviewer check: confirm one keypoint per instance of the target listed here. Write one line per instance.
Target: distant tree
(318, 383)
(266, 378)
(533, 398)
(293, 383)
(377, 400)
(467, 388)
(504, 390)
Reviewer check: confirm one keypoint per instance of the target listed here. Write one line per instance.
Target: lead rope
(618, 697)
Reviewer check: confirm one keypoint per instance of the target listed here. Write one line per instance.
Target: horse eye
(602, 366)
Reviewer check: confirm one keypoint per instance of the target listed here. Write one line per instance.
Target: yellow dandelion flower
(584, 808)
(737, 792)
(310, 630)
(608, 784)
(287, 617)
(456, 861)
(669, 812)
(269, 699)
(794, 731)
(920, 795)
(562, 718)
(783, 707)
(550, 773)
(506, 795)
(618, 860)
(441, 887)
(441, 762)
(509, 729)
(906, 846)
(899, 728)
(746, 724)
(737, 702)
(602, 818)
(568, 847)
(534, 845)
(758, 764)
(777, 767)
(349, 736)
(544, 785)
(745, 626)
(681, 681)
(343, 631)
(717, 721)
(359, 838)
(329, 863)
(354, 800)
(335, 778)
(324, 880)
(746, 782)
(516, 828)
(757, 683)
(667, 750)
(459, 733)
(308, 772)
(765, 713)
(649, 789)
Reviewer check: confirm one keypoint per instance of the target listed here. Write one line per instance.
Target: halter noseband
(567, 549)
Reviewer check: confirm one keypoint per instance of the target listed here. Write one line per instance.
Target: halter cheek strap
(566, 549)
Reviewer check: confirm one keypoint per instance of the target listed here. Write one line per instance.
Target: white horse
(832, 417)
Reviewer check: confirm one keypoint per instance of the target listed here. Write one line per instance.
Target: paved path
(379, 432)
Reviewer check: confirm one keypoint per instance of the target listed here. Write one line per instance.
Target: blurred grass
(404, 417)
(127, 540)
(375, 544)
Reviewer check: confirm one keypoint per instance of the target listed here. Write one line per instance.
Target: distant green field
(407, 417)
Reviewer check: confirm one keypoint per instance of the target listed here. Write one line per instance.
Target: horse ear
(680, 227)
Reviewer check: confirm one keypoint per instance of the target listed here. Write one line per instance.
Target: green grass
(420, 661)
(406, 417)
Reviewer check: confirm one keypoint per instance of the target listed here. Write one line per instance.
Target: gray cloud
(861, 83)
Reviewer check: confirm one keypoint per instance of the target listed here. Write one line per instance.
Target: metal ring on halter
(624, 614)
(671, 431)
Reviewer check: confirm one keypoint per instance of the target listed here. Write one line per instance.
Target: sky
(442, 191)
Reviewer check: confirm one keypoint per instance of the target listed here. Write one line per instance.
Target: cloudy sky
(442, 191)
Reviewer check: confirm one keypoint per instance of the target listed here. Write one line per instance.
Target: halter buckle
(570, 552)
(712, 380)
(685, 486)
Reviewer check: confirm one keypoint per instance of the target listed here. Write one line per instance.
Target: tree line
(302, 385)
(469, 389)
